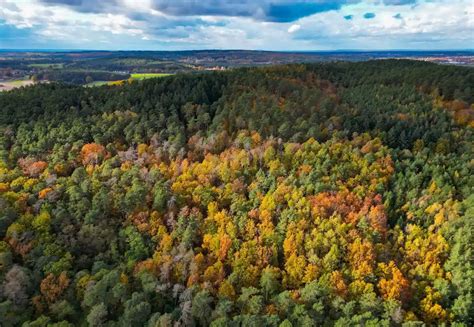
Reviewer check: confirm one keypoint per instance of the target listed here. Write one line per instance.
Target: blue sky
(244, 24)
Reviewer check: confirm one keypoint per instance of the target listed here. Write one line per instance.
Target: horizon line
(213, 49)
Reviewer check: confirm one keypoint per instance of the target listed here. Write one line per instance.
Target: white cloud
(429, 24)
(293, 28)
(441, 24)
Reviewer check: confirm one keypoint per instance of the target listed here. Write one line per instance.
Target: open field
(136, 77)
(98, 83)
(47, 65)
(148, 75)
(101, 83)
(9, 85)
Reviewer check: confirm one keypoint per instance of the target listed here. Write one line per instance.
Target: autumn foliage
(92, 153)
(306, 195)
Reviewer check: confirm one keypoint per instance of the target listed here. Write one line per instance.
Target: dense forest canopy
(299, 195)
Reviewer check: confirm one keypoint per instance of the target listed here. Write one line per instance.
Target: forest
(321, 194)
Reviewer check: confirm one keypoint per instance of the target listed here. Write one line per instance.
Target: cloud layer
(245, 24)
(263, 10)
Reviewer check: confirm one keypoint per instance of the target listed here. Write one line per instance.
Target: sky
(302, 25)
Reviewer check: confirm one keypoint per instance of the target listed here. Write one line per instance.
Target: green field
(148, 75)
(18, 82)
(101, 83)
(54, 66)
(98, 83)
(135, 77)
